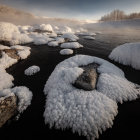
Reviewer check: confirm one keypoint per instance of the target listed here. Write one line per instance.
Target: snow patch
(71, 45)
(32, 70)
(66, 52)
(127, 54)
(70, 36)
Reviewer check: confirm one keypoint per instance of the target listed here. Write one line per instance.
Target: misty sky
(81, 9)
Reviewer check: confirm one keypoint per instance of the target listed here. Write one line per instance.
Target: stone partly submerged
(13, 53)
(88, 79)
(8, 108)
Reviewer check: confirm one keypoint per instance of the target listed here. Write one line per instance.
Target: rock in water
(87, 80)
(8, 108)
(13, 53)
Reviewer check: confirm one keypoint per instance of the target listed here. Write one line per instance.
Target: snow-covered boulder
(89, 37)
(10, 35)
(53, 43)
(70, 37)
(66, 52)
(71, 45)
(86, 112)
(32, 70)
(5, 79)
(23, 51)
(63, 30)
(60, 39)
(127, 54)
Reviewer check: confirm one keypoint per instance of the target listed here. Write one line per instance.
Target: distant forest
(119, 15)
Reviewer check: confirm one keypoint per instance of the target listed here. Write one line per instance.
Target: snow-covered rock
(6, 61)
(2, 47)
(71, 45)
(66, 52)
(5, 79)
(11, 35)
(86, 112)
(70, 36)
(32, 70)
(40, 39)
(60, 39)
(63, 30)
(24, 96)
(53, 43)
(127, 54)
(23, 51)
(89, 37)
(46, 27)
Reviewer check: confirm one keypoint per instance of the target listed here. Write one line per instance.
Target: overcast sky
(81, 9)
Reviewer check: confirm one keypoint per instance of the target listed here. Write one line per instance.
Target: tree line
(119, 15)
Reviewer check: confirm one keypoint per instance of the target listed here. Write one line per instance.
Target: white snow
(127, 54)
(40, 39)
(46, 27)
(63, 30)
(32, 70)
(24, 96)
(53, 43)
(89, 37)
(6, 61)
(2, 47)
(5, 79)
(23, 51)
(86, 112)
(70, 36)
(66, 52)
(60, 39)
(10, 32)
(71, 45)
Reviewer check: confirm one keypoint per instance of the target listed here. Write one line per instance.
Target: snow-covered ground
(86, 112)
(127, 54)
(32, 70)
(66, 52)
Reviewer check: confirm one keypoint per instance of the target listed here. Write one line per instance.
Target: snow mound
(7, 30)
(46, 27)
(40, 39)
(127, 54)
(70, 36)
(6, 61)
(5, 79)
(71, 45)
(10, 32)
(23, 51)
(53, 43)
(32, 70)
(63, 30)
(86, 112)
(2, 47)
(60, 39)
(24, 96)
(89, 37)
(66, 52)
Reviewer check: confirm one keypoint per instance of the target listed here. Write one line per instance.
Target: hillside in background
(9, 14)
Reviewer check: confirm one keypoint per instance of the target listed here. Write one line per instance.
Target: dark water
(31, 123)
